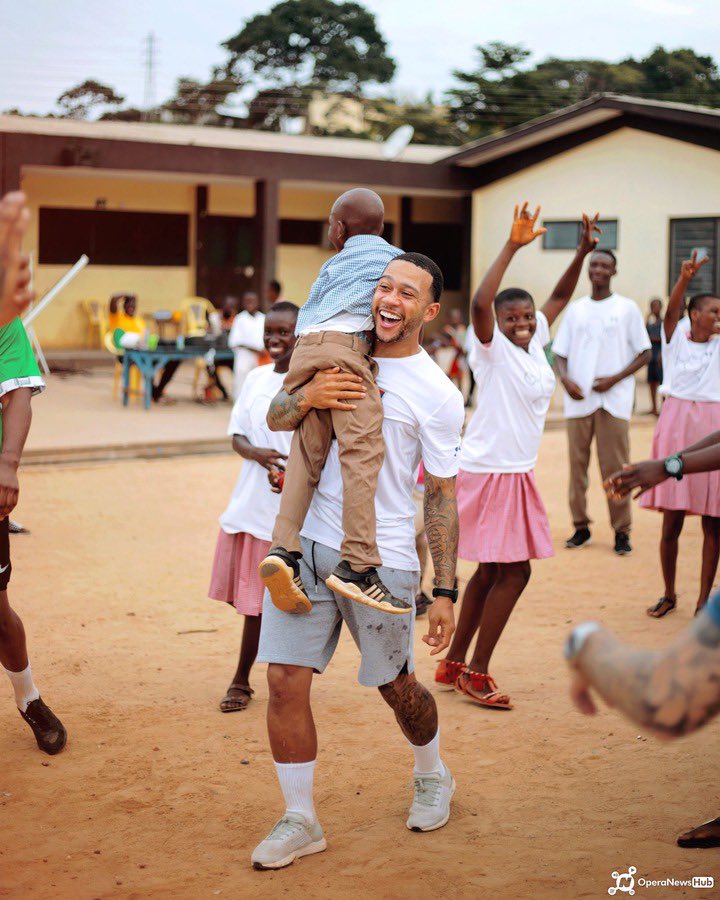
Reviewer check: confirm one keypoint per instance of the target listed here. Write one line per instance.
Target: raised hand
(523, 227)
(692, 266)
(589, 238)
(15, 295)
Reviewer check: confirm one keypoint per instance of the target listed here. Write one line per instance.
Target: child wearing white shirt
(247, 523)
(503, 523)
(601, 342)
(691, 411)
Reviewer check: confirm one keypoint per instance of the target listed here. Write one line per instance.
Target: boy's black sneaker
(365, 587)
(581, 538)
(280, 573)
(49, 731)
(622, 543)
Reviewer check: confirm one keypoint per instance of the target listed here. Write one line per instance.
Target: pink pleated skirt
(502, 518)
(235, 578)
(682, 422)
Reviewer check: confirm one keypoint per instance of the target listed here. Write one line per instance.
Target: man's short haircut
(275, 285)
(284, 306)
(697, 301)
(512, 295)
(607, 253)
(428, 265)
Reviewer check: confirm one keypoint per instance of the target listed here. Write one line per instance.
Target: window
(443, 243)
(566, 235)
(113, 238)
(313, 232)
(687, 235)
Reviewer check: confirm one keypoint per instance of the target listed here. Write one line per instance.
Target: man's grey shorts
(385, 640)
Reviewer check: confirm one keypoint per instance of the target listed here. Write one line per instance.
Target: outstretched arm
(688, 271)
(442, 529)
(702, 456)
(522, 233)
(560, 297)
(15, 293)
(672, 692)
(329, 389)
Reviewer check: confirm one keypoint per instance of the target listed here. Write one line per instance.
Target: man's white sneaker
(431, 806)
(292, 837)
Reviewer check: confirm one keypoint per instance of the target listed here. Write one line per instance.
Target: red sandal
(481, 689)
(447, 671)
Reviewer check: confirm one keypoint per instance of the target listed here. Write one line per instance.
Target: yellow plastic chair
(195, 311)
(136, 388)
(96, 321)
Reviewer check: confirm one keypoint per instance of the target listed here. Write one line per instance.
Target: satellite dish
(397, 142)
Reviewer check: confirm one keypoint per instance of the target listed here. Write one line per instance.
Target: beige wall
(64, 323)
(640, 179)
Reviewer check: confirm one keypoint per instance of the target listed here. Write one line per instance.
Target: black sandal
(662, 607)
(49, 731)
(245, 697)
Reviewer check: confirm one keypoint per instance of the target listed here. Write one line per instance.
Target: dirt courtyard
(160, 795)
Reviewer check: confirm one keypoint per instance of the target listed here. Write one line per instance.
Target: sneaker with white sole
(365, 588)
(292, 837)
(431, 805)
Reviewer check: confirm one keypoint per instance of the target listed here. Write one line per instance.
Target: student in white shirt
(246, 525)
(691, 411)
(600, 344)
(246, 339)
(503, 523)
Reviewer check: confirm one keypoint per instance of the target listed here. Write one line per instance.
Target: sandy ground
(159, 795)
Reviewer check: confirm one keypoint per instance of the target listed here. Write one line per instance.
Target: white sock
(24, 687)
(427, 757)
(296, 783)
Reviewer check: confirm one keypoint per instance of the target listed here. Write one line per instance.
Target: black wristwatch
(452, 593)
(674, 466)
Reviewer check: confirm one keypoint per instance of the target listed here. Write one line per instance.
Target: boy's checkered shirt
(347, 281)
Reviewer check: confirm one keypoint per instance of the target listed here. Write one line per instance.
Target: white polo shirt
(423, 417)
(600, 338)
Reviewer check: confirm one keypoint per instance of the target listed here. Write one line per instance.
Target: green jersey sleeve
(18, 368)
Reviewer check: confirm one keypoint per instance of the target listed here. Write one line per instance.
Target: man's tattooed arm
(672, 692)
(441, 527)
(287, 410)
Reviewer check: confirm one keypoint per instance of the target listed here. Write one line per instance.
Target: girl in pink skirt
(691, 358)
(503, 523)
(247, 523)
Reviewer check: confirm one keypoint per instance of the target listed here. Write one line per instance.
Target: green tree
(78, 102)
(301, 46)
(195, 102)
(429, 121)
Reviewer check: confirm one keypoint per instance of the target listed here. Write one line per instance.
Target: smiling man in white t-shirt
(601, 342)
(423, 416)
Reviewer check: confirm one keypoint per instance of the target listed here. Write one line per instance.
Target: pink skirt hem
(502, 518)
(235, 578)
(681, 423)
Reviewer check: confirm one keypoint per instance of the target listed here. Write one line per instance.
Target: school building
(171, 211)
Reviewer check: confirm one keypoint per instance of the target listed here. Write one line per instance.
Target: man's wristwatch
(674, 466)
(452, 593)
(577, 638)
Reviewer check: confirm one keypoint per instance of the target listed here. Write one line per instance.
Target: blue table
(149, 361)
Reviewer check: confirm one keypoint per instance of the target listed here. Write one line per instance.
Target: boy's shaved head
(361, 210)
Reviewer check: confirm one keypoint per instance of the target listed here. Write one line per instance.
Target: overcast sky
(48, 46)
